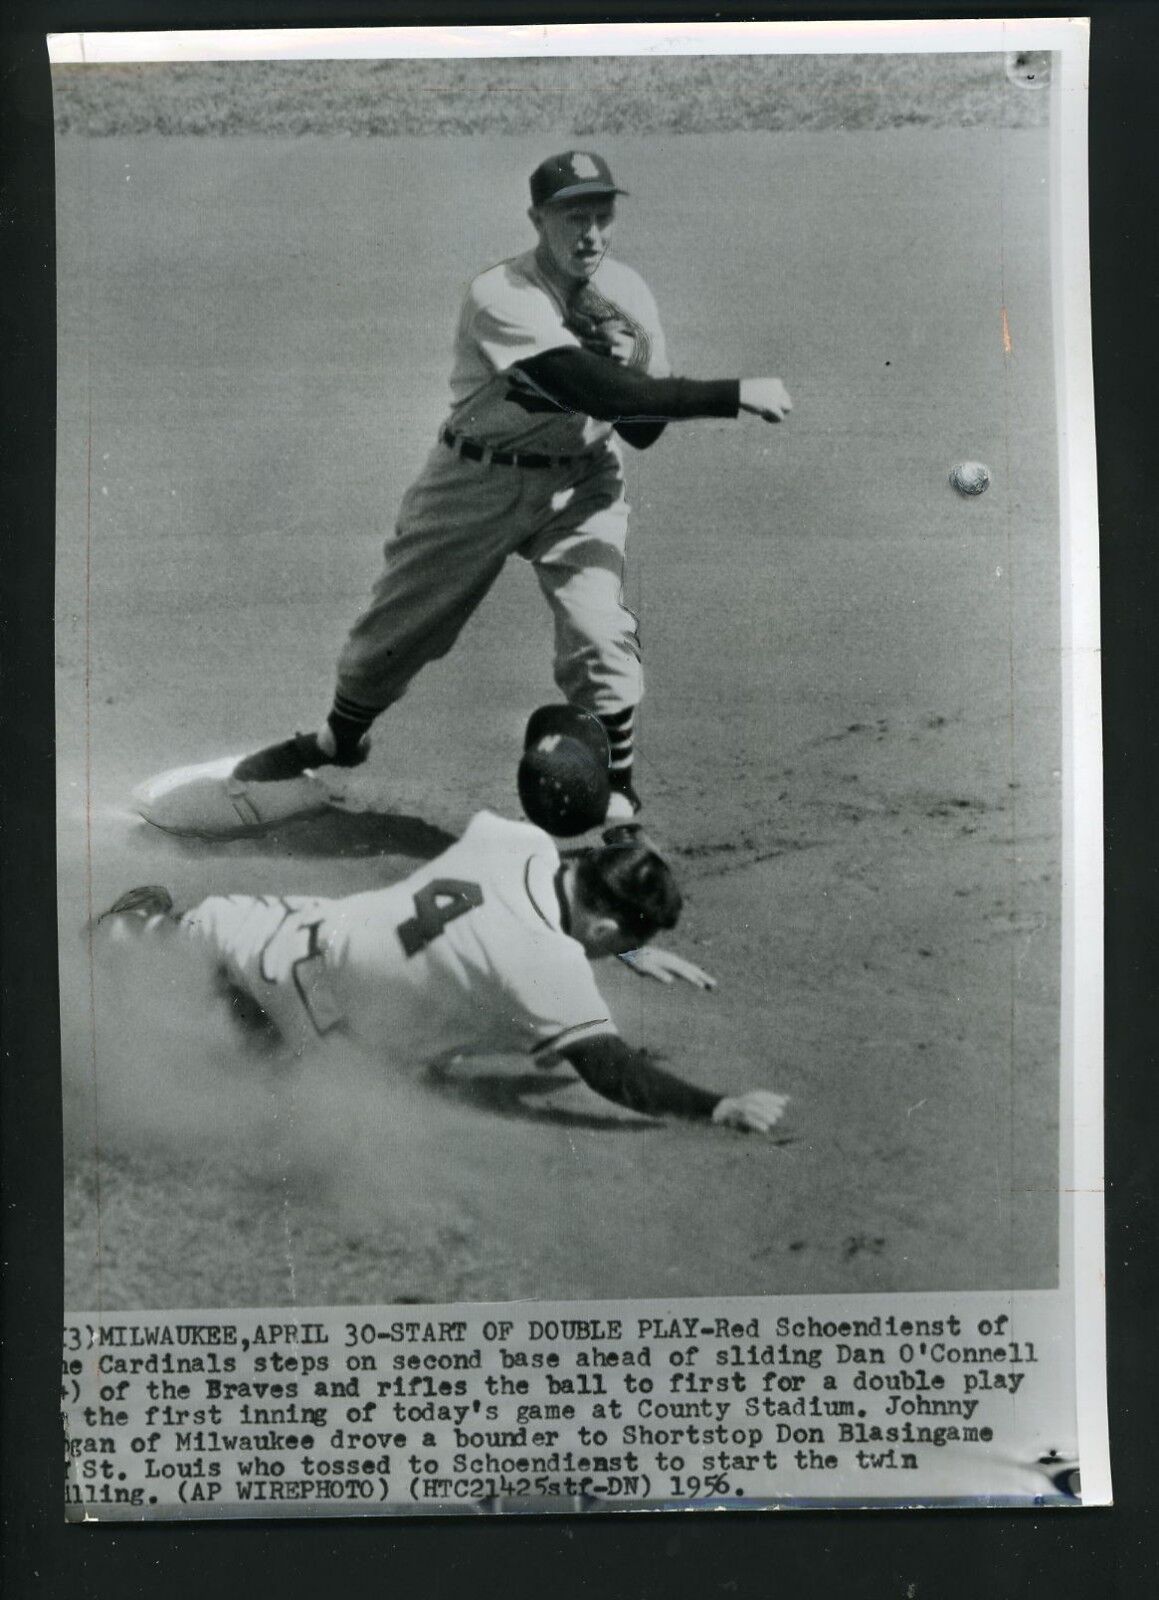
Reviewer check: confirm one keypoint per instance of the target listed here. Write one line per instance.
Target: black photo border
(925, 1555)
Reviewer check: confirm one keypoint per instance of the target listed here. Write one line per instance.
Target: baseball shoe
(210, 801)
(623, 802)
(279, 763)
(149, 900)
(131, 913)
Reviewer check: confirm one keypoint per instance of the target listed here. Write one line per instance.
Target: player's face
(575, 234)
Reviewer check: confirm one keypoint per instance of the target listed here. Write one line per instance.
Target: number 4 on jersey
(436, 904)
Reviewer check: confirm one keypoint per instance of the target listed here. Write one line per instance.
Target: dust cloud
(158, 1069)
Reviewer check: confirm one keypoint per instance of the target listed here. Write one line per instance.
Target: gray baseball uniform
(558, 502)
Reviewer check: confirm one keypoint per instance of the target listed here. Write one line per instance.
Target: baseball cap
(563, 775)
(569, 722)
(572, 175)
(562, 787)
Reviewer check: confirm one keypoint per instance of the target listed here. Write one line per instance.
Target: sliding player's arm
(631, 1078)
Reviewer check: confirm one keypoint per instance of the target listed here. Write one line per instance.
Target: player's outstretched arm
(577, 380)
(630, 1078)
(666, 967)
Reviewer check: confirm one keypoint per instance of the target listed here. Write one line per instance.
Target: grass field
(850, 741)
(579, 96)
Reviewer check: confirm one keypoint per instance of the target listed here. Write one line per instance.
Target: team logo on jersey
(583, 166)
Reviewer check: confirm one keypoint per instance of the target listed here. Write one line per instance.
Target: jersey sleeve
(556, 998)
(579, 380)
(613, 1069)
(659, 366)
(513, 327)
(629, 297)
(658, 363)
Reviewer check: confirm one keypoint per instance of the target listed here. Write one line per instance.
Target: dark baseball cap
(569, 722)
(573, 175)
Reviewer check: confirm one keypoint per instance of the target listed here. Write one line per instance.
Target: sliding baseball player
(485, 949)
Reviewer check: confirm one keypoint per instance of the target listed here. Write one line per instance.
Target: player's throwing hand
(765, 397)
(759, 1111)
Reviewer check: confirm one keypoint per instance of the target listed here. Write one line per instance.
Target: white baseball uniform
(467, 954)
(464, 516)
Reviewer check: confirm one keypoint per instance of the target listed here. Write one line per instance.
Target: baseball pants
(457, 525)
(267, 948)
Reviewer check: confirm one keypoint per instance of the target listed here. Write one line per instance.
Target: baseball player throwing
(559, 355)
(485, 949)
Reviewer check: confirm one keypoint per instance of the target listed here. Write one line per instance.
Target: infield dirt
(850, 742)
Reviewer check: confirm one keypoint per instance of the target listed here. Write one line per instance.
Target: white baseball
(970, 477)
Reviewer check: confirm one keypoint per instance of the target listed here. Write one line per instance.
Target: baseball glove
(606, 329)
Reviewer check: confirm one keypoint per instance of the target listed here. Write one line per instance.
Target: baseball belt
(470, 451)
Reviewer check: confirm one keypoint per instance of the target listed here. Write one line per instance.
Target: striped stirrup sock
(620, 728)
(350, 722)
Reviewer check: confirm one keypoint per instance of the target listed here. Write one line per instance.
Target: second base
(207, 801)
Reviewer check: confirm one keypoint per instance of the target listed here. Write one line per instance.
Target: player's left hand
(621, 342)
(666, 967)
(607, 336)
(758, 1111)
(603, 329)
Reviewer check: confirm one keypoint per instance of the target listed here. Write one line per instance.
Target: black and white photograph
(566, 692)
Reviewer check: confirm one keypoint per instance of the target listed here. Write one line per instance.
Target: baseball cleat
(278, 763)
(133, 913)
(210, 801)
(149, 900)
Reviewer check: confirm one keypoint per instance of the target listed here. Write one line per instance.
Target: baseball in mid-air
(970, 477)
